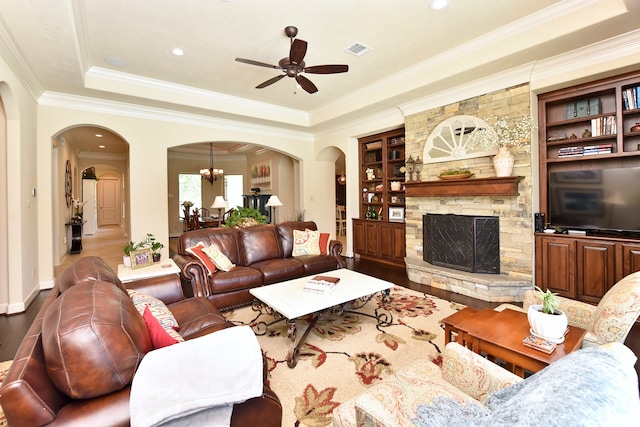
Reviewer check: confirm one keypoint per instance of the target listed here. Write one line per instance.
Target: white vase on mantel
(503, 162)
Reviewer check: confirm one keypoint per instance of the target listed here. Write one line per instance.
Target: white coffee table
(162, 268)
(291, 301)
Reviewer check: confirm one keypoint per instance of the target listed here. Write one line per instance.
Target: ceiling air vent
(358, 49)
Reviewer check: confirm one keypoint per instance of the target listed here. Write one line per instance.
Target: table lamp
(219, 203)
(272, 203)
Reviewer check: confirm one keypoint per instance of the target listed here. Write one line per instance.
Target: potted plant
(155, 246)
(545, 319)
(131, 246)
(245, 217)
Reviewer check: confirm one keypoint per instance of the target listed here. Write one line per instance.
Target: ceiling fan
(293, 65)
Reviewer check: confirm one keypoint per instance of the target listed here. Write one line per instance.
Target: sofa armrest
(335, 249)
(167, 289)
(193, 272)
(473, 374)
(578, 313)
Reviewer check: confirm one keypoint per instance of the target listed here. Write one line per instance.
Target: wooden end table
(499, 334)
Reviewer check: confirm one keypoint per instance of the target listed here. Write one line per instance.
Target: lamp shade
(273, 201)
(219, 203)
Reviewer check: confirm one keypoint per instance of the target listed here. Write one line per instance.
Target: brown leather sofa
(262, 255)
(101, 339)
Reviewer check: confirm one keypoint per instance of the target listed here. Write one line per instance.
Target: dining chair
(341, 220)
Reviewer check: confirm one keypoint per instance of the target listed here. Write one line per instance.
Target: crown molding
(142, 87)
(17, 63)
(75, 102)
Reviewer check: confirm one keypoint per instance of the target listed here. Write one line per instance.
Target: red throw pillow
(197, 252)
(324, 243)
(159, 337)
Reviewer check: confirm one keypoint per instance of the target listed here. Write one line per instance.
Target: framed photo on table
(141, 258)
(396, 214)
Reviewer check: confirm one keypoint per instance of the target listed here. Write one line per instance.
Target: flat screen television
(605, 200)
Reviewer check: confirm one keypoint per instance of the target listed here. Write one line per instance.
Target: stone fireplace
(480, 196)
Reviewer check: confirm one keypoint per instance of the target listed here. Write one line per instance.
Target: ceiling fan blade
(306, 84)
(298, 51)
(258, 63)
(327, 69)
(270, 82)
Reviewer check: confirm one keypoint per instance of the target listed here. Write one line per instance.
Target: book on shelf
(321, 284)
(540, 344)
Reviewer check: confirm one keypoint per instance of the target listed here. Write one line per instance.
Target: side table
(161, 268)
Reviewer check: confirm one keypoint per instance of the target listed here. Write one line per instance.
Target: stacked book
(321, 284)
(586, 150)
(539, 344)
(631, 98)
(603, 126)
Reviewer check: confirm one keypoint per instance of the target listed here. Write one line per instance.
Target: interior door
(108, 201)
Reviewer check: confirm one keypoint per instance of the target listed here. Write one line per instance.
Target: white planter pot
(549, 326)
(127, 261)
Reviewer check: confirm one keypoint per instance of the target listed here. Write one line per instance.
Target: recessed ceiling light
(177, 51)
(116, 62)
(438, 4)
(98, 135)
(101, 146)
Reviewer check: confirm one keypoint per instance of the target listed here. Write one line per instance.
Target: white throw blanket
(196, 383)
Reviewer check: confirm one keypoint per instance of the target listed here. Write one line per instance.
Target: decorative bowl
(456, 176)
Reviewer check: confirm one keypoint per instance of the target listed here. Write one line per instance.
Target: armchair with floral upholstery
(609, 321)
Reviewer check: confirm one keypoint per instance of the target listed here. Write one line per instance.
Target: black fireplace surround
(462, 242)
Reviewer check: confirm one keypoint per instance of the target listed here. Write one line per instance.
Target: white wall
(19, 221)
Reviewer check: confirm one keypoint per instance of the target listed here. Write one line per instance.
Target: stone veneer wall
(515, 213)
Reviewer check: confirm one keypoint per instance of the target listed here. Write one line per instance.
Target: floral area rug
(4, 368)
(346, 352)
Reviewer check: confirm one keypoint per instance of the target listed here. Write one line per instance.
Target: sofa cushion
(92, 332)
(260, 243)
(314, 264)
(88, 270)
(278, 270)
(305, 242)
(219, 259)
(159, 336)
(197, 251)
(197, 316)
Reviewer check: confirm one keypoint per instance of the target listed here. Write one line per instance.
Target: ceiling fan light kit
(293, 65)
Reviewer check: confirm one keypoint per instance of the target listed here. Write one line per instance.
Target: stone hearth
(486, 287)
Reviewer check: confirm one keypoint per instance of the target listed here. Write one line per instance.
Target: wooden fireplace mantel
(494, 186)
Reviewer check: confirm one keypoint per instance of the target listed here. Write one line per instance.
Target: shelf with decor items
(379, 230)
(586, 130)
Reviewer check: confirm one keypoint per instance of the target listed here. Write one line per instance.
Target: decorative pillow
(324, 243)
(159, 310)
(197, 251)
(305, 243)
(159, 336)
(219, 259)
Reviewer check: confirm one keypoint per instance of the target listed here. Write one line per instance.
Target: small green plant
(151, 242)
(550, 301)
(240, 215)
(132, 246)
(456, 172)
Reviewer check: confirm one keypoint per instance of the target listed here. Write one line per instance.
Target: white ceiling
(60, 47)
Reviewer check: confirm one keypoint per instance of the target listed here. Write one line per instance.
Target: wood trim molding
(494, 186)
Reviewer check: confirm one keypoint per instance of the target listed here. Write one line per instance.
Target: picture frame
(141, 258)
(396, 214)
(261, 174)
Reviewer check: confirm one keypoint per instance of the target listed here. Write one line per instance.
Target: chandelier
(211, 174)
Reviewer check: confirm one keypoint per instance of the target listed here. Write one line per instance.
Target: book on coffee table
(539, 344)
(321, 284)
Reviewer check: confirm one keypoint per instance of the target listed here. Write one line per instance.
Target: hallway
(107, 243)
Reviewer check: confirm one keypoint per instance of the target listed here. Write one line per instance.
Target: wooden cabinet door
(371, 238)
(596, 269)
(386, 240)
(399, 242)
(630, 259)
(557, 262)
(359, 237)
